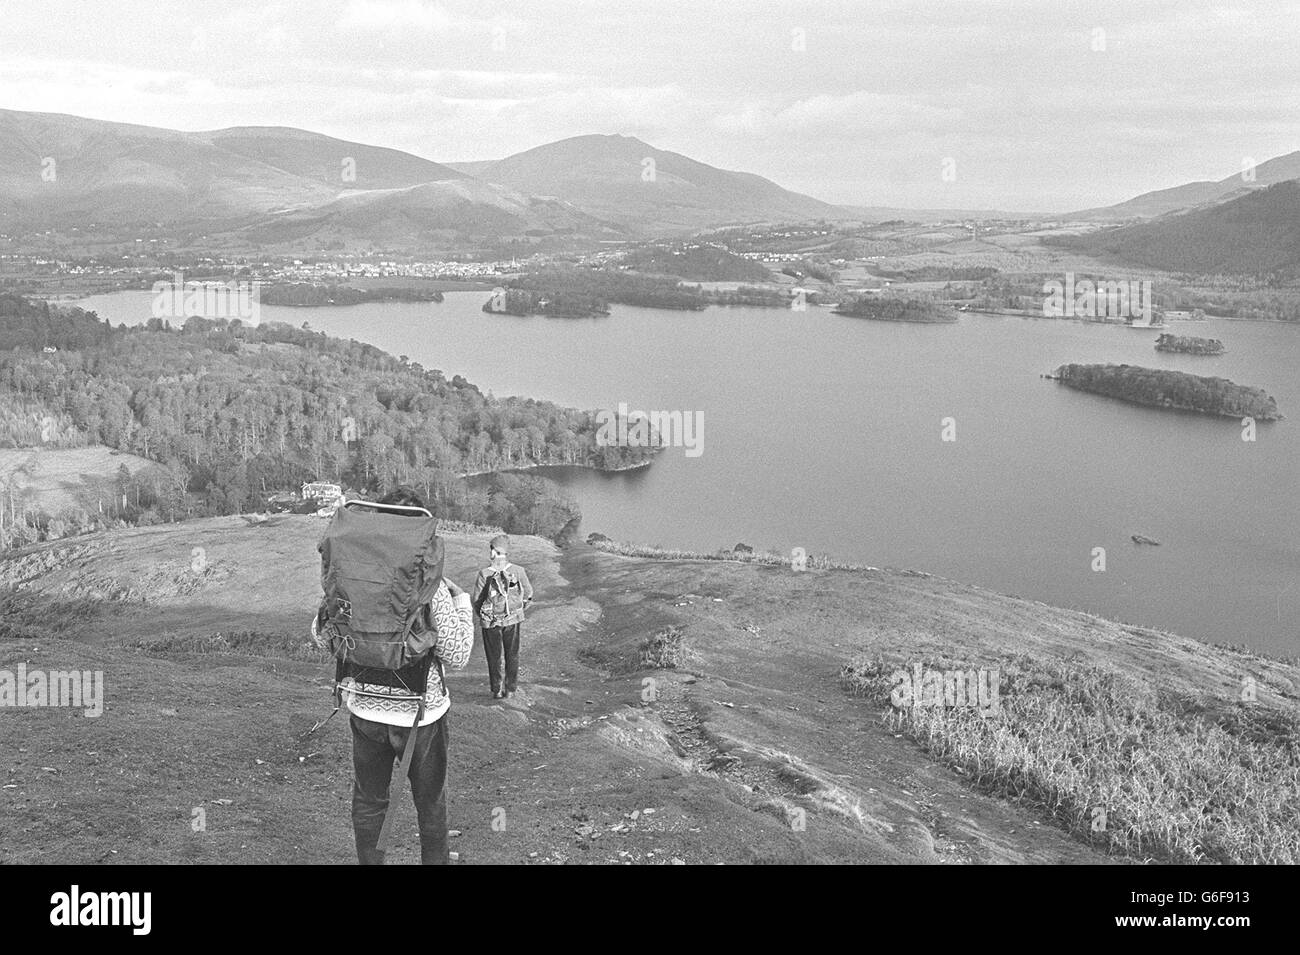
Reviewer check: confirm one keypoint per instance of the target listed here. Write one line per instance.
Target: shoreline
(640, 465)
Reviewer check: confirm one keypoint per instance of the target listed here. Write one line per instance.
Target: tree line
(232, 414)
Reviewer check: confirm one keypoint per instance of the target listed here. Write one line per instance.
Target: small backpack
(503, 595)
(380, 567)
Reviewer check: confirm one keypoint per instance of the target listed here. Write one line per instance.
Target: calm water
(823, 431)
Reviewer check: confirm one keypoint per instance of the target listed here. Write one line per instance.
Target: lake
(825, 432)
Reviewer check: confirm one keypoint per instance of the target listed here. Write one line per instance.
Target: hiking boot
(498, 695)
(435, 856)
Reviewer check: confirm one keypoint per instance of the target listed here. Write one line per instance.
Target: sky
(1022, 105)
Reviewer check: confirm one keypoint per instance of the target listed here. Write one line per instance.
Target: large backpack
(380, 567)
(381, 564)
(503, 595)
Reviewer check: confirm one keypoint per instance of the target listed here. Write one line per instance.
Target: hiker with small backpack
(501, 593)
(393, 624)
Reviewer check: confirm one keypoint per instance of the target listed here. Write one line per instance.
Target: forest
(232, 414)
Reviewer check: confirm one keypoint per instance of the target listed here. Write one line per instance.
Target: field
(56, 479)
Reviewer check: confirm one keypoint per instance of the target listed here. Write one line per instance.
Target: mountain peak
(625, 180)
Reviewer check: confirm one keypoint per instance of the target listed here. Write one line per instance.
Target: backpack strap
(489, 581)
(407, 752)
(405, 768)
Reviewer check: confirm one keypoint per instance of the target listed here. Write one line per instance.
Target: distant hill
(1193, 194)
(631, 184)
(1256, 233)
(143, 174)
(250, 185)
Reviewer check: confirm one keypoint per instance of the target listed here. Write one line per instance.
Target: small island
(1160, 388)
(1189, 345)
(554, 302)
(898, 310)
(319, 294)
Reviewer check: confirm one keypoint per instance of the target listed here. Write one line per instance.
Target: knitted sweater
(453, 623)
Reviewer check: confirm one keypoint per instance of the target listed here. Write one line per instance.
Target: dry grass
(1147, 774)
(246, 643)
(664, 650)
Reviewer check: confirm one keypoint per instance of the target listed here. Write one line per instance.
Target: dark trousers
(376, 747)
(496, 640)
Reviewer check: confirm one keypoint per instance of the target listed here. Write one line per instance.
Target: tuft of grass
(664, 650)
(1146, 774)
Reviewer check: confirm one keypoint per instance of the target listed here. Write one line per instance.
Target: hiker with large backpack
(501, 592)
(393, 624)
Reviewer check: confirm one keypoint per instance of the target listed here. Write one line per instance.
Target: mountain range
(67, 180)
(277, 186)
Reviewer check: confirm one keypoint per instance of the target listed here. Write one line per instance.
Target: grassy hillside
(760, 736)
